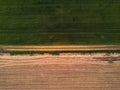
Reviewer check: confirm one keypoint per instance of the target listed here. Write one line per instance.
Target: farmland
(63, 72)
(58, 22)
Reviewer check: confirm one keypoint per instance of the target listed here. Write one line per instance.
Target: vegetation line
(58, 52)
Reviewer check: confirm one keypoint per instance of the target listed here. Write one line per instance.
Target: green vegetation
(57, 22)
(58, 52)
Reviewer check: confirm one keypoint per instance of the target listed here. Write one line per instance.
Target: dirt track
(63, 72)
(60, 48)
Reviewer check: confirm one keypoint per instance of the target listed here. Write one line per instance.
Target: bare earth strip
(60, 72)
(60, 48)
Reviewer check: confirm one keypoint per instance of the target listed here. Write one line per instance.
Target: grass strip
(58, 52)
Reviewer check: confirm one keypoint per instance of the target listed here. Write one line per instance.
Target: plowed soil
(63, 72)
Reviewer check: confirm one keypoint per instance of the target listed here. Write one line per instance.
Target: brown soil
(63, 72)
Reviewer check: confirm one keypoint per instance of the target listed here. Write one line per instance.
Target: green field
(59, 22)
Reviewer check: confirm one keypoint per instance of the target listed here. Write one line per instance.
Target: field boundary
(59, 48)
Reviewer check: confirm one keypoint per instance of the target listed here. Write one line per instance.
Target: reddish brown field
(63, 72)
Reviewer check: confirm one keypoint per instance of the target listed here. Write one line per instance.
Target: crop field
(58, 22)
(62, 72)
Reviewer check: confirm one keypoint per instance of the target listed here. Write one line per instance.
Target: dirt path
(60, 48)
